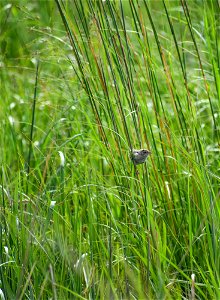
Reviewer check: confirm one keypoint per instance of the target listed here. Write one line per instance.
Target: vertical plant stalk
(32, 123)
(53, 282)
(189, 23)
(193, 287)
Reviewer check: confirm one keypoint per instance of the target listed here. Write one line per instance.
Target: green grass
(82, 84)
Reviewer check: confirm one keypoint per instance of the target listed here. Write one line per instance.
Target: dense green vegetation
(82, 84)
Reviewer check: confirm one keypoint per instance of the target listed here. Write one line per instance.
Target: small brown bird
(139, 156)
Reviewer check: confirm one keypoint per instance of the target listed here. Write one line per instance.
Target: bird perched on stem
(139, 156)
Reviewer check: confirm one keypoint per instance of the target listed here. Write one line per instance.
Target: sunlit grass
(78, 219)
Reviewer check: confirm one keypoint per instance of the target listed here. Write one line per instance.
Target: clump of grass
(82, 221)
